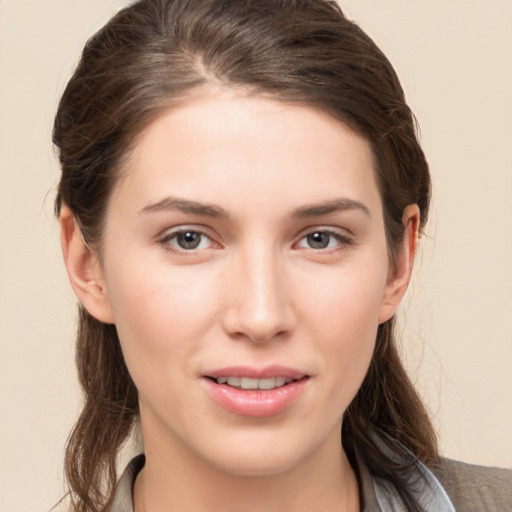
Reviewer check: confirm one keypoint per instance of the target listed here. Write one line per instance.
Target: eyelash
(342, 242)
(165, 241)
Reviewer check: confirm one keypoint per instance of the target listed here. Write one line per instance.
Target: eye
(324, 239)
(186, 240)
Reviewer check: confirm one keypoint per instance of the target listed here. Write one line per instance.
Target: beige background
(455, 60)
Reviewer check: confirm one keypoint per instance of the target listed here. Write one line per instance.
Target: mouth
(254, 392)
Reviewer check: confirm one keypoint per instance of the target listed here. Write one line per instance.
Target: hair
(148, 57)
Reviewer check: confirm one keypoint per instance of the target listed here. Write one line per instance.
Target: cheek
(343, 316)
(159, 312)
(346, 302)
(351, 323)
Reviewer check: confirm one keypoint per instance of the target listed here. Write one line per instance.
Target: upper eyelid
(170, 232)
(338, 231)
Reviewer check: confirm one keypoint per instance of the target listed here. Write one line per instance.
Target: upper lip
(252, 372)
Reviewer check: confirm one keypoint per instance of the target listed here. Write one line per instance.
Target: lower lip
(255, 402)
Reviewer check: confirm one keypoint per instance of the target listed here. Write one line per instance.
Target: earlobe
(83, 269)
(399, 280)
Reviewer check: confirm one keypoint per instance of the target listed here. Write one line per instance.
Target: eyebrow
(185, 206)
(328, 207)
(211, 210)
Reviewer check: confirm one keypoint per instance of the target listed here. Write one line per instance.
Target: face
(246, 270)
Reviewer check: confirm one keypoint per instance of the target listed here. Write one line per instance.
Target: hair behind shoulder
(148, 57)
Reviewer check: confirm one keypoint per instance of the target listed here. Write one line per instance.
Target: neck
(173, 480)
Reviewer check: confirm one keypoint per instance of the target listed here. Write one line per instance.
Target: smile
(247, 391)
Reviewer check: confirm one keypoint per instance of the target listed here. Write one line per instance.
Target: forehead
(231, 144)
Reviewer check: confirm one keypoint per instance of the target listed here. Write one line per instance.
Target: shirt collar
(380, 494)
(377, 494)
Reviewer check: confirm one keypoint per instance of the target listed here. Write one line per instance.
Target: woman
(242, 190)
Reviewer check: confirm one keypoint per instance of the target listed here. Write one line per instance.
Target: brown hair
(301, 51)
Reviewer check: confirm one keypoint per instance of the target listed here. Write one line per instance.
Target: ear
(83, 268)
(399, 280)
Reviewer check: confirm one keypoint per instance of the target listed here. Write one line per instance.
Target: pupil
(318, 240)
(189, 240)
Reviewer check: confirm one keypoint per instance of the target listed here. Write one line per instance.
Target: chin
(257, 465)
(261, 454)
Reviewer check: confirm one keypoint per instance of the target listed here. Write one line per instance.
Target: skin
(256, 291)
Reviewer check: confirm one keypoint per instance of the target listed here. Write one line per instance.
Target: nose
(259, 305)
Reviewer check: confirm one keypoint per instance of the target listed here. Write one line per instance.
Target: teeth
(250, 383)
(270, 383)
(281, 381)
(247, 383)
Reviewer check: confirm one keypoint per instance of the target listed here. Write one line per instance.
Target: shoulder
(474, 488)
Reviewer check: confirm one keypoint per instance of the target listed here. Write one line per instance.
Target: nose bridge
(260, 307)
